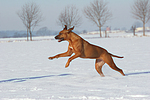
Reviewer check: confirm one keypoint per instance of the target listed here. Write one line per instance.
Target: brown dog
(84, 49)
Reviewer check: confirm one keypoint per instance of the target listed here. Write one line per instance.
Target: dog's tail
(115, 55)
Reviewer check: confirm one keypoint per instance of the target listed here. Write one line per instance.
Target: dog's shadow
(31, 78)
(46, 76)
(137, 73)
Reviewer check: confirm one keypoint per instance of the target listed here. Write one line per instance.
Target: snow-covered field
(27, 74)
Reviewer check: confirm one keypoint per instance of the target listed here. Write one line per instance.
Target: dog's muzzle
(58, 38)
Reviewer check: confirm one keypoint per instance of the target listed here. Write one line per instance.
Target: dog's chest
(71, 47)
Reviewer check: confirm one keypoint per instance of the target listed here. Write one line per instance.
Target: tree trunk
(143, 28)
(100, 31)
(134, 33)
(105, 34)
(27, 35)
(133, 28)
(30, 34)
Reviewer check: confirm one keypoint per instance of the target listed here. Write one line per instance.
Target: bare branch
(98, 13)
(141, 11)
(31, 16)
(70, 17)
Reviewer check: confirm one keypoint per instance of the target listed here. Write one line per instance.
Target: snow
(27, 74)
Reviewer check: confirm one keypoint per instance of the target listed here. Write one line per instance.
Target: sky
(9, 20)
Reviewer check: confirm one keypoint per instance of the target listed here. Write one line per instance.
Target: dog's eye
(60, 34)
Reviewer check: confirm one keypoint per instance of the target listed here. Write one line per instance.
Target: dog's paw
(66, 65)
(50, 58)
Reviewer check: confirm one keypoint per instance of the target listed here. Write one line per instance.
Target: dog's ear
(65, 27)
(70, 29)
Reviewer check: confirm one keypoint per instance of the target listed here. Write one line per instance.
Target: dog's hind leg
(111, 63)
(98, 66)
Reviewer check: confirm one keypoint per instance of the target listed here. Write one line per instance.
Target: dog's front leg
(68, 53)
(51, 58)
(71, 58)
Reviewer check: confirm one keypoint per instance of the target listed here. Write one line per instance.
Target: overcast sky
(121, 10)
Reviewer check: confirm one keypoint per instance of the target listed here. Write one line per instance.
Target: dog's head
(63, 35)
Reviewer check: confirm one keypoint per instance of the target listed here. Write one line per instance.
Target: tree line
(97, 12)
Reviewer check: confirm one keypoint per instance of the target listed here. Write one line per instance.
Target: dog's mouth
(61, 39)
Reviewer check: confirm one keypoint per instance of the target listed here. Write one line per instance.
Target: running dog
(83, 49)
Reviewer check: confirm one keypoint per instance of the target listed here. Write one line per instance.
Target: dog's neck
(73, 37)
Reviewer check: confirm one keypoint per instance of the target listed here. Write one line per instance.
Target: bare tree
(30, 15)
(70, 17)
(133, 28)
(98, 13)
(141, 11)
